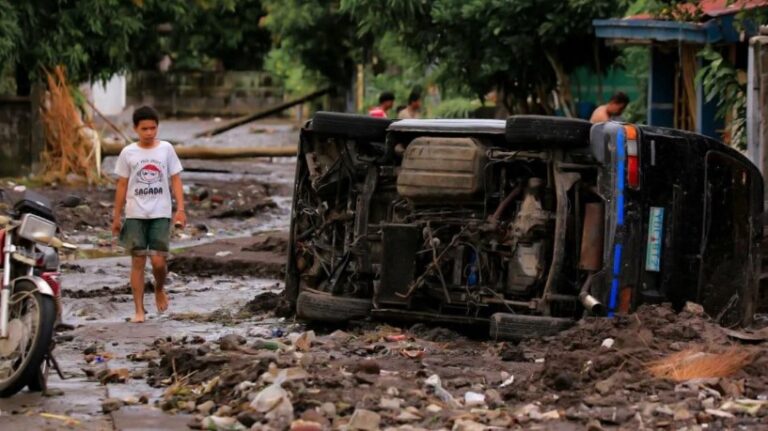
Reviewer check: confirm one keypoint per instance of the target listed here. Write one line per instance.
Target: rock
(493, 398)
(329, 410)
(434, 408)
(222, 423)
(302, 425)
(682, 414)
(467, 425)
(550, 415)
(407, 416)
(390, 404)
(604, 387)
(91, 350)
(111, 404)
(53, 392)
(118, 375)
(474, 399)
(224, 410)
(364, 420)
(594, 425)
(563, 381)
(206, 407)
(718, 413)
(231, 342)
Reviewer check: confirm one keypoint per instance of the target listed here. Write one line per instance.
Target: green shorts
(146, 237)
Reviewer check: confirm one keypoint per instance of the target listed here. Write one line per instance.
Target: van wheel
(352, 126)
(534, 131)
(324, 307)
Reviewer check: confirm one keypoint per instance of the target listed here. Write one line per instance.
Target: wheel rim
(24, 313)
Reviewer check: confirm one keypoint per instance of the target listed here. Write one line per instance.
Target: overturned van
(525, 225)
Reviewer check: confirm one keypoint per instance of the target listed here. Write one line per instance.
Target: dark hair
(386, 97)
(145, 113)
(620, 98)
(413, 97)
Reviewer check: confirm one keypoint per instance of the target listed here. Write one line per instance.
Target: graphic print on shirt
(151, 178)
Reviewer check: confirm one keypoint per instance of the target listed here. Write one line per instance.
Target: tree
(94, 39)
(522, 48)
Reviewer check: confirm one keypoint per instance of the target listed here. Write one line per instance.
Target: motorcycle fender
(42, 285)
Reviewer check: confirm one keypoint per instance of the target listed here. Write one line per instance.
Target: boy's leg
(137, 286)
(159, 238)
(159, 269)
(133, 236)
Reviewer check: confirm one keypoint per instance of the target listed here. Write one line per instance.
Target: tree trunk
(563, 83)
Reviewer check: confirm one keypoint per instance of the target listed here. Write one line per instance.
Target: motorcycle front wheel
(31, 318)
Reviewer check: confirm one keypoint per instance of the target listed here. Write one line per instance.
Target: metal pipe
(5, 289)
(505, 203)
(531, 305)
(587, 300)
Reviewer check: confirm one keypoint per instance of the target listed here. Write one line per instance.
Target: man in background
(386, 101)
(413, 110)
(611, 110)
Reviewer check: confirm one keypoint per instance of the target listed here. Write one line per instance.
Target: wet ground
(213, 359)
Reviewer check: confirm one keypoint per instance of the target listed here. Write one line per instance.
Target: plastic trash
(274, 400)
(434, 382)
(473, 399)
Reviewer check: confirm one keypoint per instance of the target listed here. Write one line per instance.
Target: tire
(352, 126)
(535, 131)
(324, 307)
(516, 327)
(40, 344)
(39, 382)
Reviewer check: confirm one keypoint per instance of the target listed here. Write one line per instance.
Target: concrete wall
(203, 93)
(17, 155)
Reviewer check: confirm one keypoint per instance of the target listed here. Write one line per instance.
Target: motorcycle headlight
(35, 228)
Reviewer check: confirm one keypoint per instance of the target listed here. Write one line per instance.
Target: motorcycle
(28, 294)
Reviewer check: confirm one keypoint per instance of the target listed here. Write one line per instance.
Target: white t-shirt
(148, 172)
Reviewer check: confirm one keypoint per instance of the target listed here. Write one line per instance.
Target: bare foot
(161, 300)
(138, 318)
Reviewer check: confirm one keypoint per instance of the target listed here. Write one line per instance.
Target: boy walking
(143, 188)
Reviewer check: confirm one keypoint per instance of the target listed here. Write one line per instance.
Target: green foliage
(635, 61)
(95, 39)
(520, 47)
(719, 79)
(456, 108)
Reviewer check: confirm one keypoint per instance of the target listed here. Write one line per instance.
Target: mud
(569, 380)
(263, 255)
(269, 303)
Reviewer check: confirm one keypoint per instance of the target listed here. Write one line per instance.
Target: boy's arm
(178, 194)
(120, 194)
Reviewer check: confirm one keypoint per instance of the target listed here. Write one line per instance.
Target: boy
(143, 169)
(386, 102)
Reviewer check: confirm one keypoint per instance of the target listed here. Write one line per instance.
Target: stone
(467, 425)
(328, 409)
(493, 398)
(364, 420)
(682, 414)
(231, 342)
(368, 366)
(111, 404)
(302, 425)
(434, 408)
(206, 407)
(53, 392)
(390, 404)
(248, 418)
(694, 308)
(224, 411)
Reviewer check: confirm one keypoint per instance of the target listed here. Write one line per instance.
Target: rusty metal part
(591, 255)
(587, 300)
(563, 182)
(506, 202)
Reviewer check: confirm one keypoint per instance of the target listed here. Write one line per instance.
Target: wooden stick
(262, 114)
(112, 149)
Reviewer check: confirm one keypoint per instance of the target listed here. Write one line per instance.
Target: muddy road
(228, 355)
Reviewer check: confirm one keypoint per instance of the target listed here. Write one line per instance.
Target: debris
(231, 342)
(694, 308)
(217, 423)
(412, 353)
(407, 416)
(467, 425)
(434, 382)
(364, 420)
(111, 404)
(274, 401)
(304, 341)
(206, 407)
(756, 336)
(718, 413)
(434, 408)
(608, 343)
(693, 364)
(751, 407)
(118, 375)
(396, 337)
(390, 403)
(473, 399)
(328, 409)
(550, 415)
(69, 421)
(507, 382)
(223, 253)
(368, 366)
(53, 392)
(302, 425)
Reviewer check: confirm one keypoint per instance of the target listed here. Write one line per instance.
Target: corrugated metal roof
(710, 8)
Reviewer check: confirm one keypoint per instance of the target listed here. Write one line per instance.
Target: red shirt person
(386, 101)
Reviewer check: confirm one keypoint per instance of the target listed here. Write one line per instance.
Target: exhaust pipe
(588, 301)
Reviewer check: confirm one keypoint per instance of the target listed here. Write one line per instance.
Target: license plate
(655, 233)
